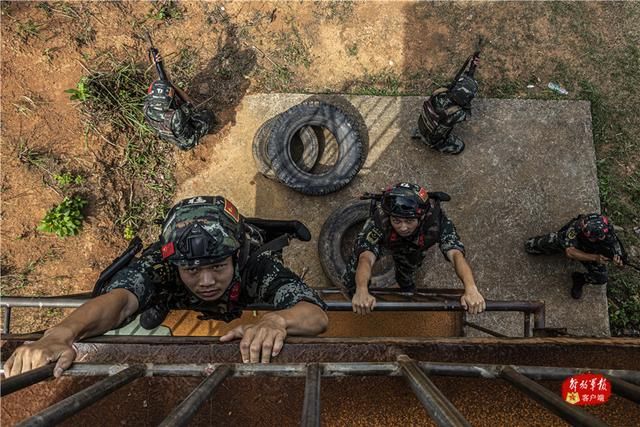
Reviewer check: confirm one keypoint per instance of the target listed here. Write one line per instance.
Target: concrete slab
(529, 166)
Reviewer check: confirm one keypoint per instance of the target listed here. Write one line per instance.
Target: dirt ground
(220, 51)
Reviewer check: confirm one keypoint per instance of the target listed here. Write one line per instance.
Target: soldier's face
(404, 226)
(208, 282)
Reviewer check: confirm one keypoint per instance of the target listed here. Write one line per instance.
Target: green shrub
(65, 219)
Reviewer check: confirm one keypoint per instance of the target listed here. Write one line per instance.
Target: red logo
(586, 389)
(168, 250)
(423, 194)
(231, 210)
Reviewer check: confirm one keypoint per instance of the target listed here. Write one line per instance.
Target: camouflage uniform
(438, 116)
(179, 124)
(262, 279)
(570, 235)
(378, 236)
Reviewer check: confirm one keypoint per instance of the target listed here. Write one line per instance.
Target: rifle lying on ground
(471, 62)
(153, 54)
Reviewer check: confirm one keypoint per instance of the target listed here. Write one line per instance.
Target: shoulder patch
(373, 236)
(231, 210)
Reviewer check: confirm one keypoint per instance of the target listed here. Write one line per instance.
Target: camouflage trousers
(549, 244)
(447, 143)
(199, 124)
(405, 266)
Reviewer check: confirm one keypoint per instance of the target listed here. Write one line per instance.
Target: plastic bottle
(557, 88)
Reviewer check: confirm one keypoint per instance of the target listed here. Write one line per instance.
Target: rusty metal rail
(446, 301)
(437, 405)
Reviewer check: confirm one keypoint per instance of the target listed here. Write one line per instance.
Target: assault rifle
(153, 54)
(471, 62)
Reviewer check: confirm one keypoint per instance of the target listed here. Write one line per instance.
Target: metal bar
(311, 405)
(76, 402)
(335, 369)
(572, 414)
(26, 379)
(453, 305)
(624, 388)
(419, 291)
(381, 341)
(527, 324)
(539, 316)
(440, 409)
(185, 411)
(483, 329)
(6, 320)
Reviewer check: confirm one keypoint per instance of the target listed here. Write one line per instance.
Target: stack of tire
(288, 148)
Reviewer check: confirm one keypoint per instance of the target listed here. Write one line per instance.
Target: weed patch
(64, 219)
(27, 30)
(166, 11)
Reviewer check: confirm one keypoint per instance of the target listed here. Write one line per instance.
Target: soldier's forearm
(363, 271)
(304, 318)
(578, 255)
(463, 271)
(95, 317)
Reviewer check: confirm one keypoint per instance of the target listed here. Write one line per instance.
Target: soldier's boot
(153, 317)
(578, 283)
(531, 247)
(451, 145)
(415, 134)
(203, 120)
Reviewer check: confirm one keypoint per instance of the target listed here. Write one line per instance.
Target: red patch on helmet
(231, 210)
(168, 250)
(423, 194)
(150, 86)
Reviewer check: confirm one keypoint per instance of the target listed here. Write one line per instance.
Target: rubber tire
(315, 114)
(330, 244)
(305, 160)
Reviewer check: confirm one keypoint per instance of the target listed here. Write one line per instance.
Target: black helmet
(201, 230)
(160, 96)
(464, 90)
(405, 200)
(595, 227)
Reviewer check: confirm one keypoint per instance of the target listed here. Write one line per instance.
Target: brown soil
(242, 47)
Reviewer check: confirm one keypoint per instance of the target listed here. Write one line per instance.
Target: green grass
(110, 99)
(166, 11)
(294, 51)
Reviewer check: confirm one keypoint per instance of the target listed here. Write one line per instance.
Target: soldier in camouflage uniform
(208, 259)
(589, 239)
(170, 111)
(405, 223)
(442, 110)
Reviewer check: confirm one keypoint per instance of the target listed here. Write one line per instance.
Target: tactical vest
(434, 125)
(428, 230)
